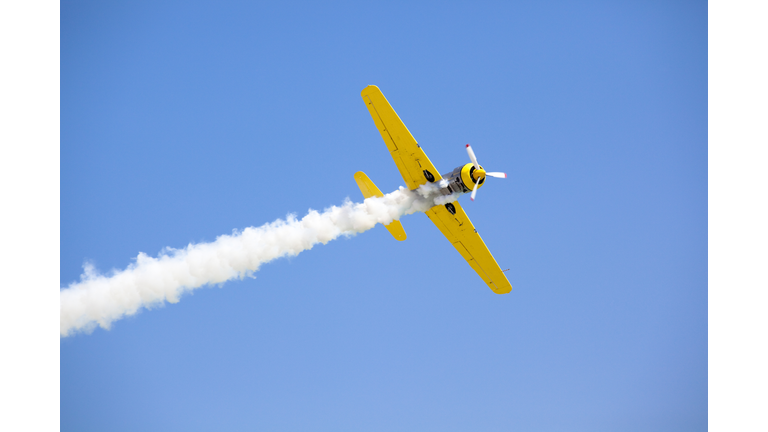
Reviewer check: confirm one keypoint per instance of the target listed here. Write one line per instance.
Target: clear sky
(181, 121)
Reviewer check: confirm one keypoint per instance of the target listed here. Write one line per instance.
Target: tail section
(369, 190)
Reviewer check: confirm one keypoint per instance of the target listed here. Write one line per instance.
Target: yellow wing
(462, 234)
(409, 158)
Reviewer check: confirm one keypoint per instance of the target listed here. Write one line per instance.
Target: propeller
(480, 172)
(474, 191)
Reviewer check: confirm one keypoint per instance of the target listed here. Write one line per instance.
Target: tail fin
(369, 189)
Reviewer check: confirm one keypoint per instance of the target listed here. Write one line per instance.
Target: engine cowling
(461, 179)
(470, 176)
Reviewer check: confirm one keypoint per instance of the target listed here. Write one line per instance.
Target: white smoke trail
(99, 300)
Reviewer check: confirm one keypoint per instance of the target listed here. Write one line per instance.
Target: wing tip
(369, 89)
(500, 291)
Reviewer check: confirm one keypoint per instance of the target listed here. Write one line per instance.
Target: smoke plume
(99, 300)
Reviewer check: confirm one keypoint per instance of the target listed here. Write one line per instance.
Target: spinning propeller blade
(472, 157)
(474, 191)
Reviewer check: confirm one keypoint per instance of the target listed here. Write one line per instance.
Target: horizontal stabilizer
(370, 190)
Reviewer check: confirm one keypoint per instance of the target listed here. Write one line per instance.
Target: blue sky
(183, 121)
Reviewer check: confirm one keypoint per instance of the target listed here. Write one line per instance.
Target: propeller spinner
(479, 173)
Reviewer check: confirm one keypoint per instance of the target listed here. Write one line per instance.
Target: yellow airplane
(417, 170)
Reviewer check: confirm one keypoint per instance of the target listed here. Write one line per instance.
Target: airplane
(416, 169)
